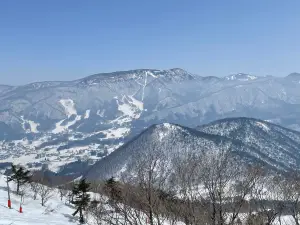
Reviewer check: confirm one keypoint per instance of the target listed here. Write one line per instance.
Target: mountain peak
(293, 76)
(171, 74)
(242, 127)
(241, 77)
(178, 70)
(167, 126)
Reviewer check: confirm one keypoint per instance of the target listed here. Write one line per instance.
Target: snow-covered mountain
(251, 140)
(78, 122)
(241, 77)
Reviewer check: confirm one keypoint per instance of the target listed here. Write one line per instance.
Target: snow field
(55, 212)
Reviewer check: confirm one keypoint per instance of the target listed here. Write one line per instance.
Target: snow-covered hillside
(55, 212)
(252, 140)
(59, 124)
(59, 212)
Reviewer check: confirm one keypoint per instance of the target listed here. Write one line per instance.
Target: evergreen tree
(81, 198)
(19, 175)
(113, 190)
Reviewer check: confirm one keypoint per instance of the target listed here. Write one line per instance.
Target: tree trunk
(296, 219)
(151, 220)
(151, 216)
(186, 220)
(18, 186)
(81, 220)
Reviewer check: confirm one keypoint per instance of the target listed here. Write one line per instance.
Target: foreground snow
(55, 212)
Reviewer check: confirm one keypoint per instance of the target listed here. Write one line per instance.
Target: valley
(57, 125)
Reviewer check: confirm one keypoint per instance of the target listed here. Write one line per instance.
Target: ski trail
(144, 86)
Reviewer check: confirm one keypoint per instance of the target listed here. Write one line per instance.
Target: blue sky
(69, 39)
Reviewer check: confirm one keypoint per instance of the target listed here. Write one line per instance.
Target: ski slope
(55, 212)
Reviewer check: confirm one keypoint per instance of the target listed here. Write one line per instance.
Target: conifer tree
(19, 175)
(81, 198)
(113, 190)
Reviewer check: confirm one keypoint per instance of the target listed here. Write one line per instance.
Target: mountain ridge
(122, 72)
(59, 123)
(273, 152)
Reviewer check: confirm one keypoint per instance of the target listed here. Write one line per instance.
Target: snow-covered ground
(55, 212)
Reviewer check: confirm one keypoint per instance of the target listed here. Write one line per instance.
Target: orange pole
(8, 193)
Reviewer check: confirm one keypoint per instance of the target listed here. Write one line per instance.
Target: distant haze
(66, 40)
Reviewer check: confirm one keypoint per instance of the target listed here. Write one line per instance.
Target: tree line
(41, 187)
(211, 188)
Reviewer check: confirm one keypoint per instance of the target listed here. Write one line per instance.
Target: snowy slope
(251, 140)
(55, 212)
(59, 124)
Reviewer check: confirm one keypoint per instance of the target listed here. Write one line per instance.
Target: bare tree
(214, 186)
(217, 172)
(129, 210)
(290, 190)
(45, 192)
(98, 209)
(35, 189)
(151, 174)
(120, 206)
(63, 192)
(240, 189)
(187, 180)
(43, 187)
(255, 219)
(267, 199)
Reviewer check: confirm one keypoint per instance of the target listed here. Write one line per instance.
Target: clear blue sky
(68, 39)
